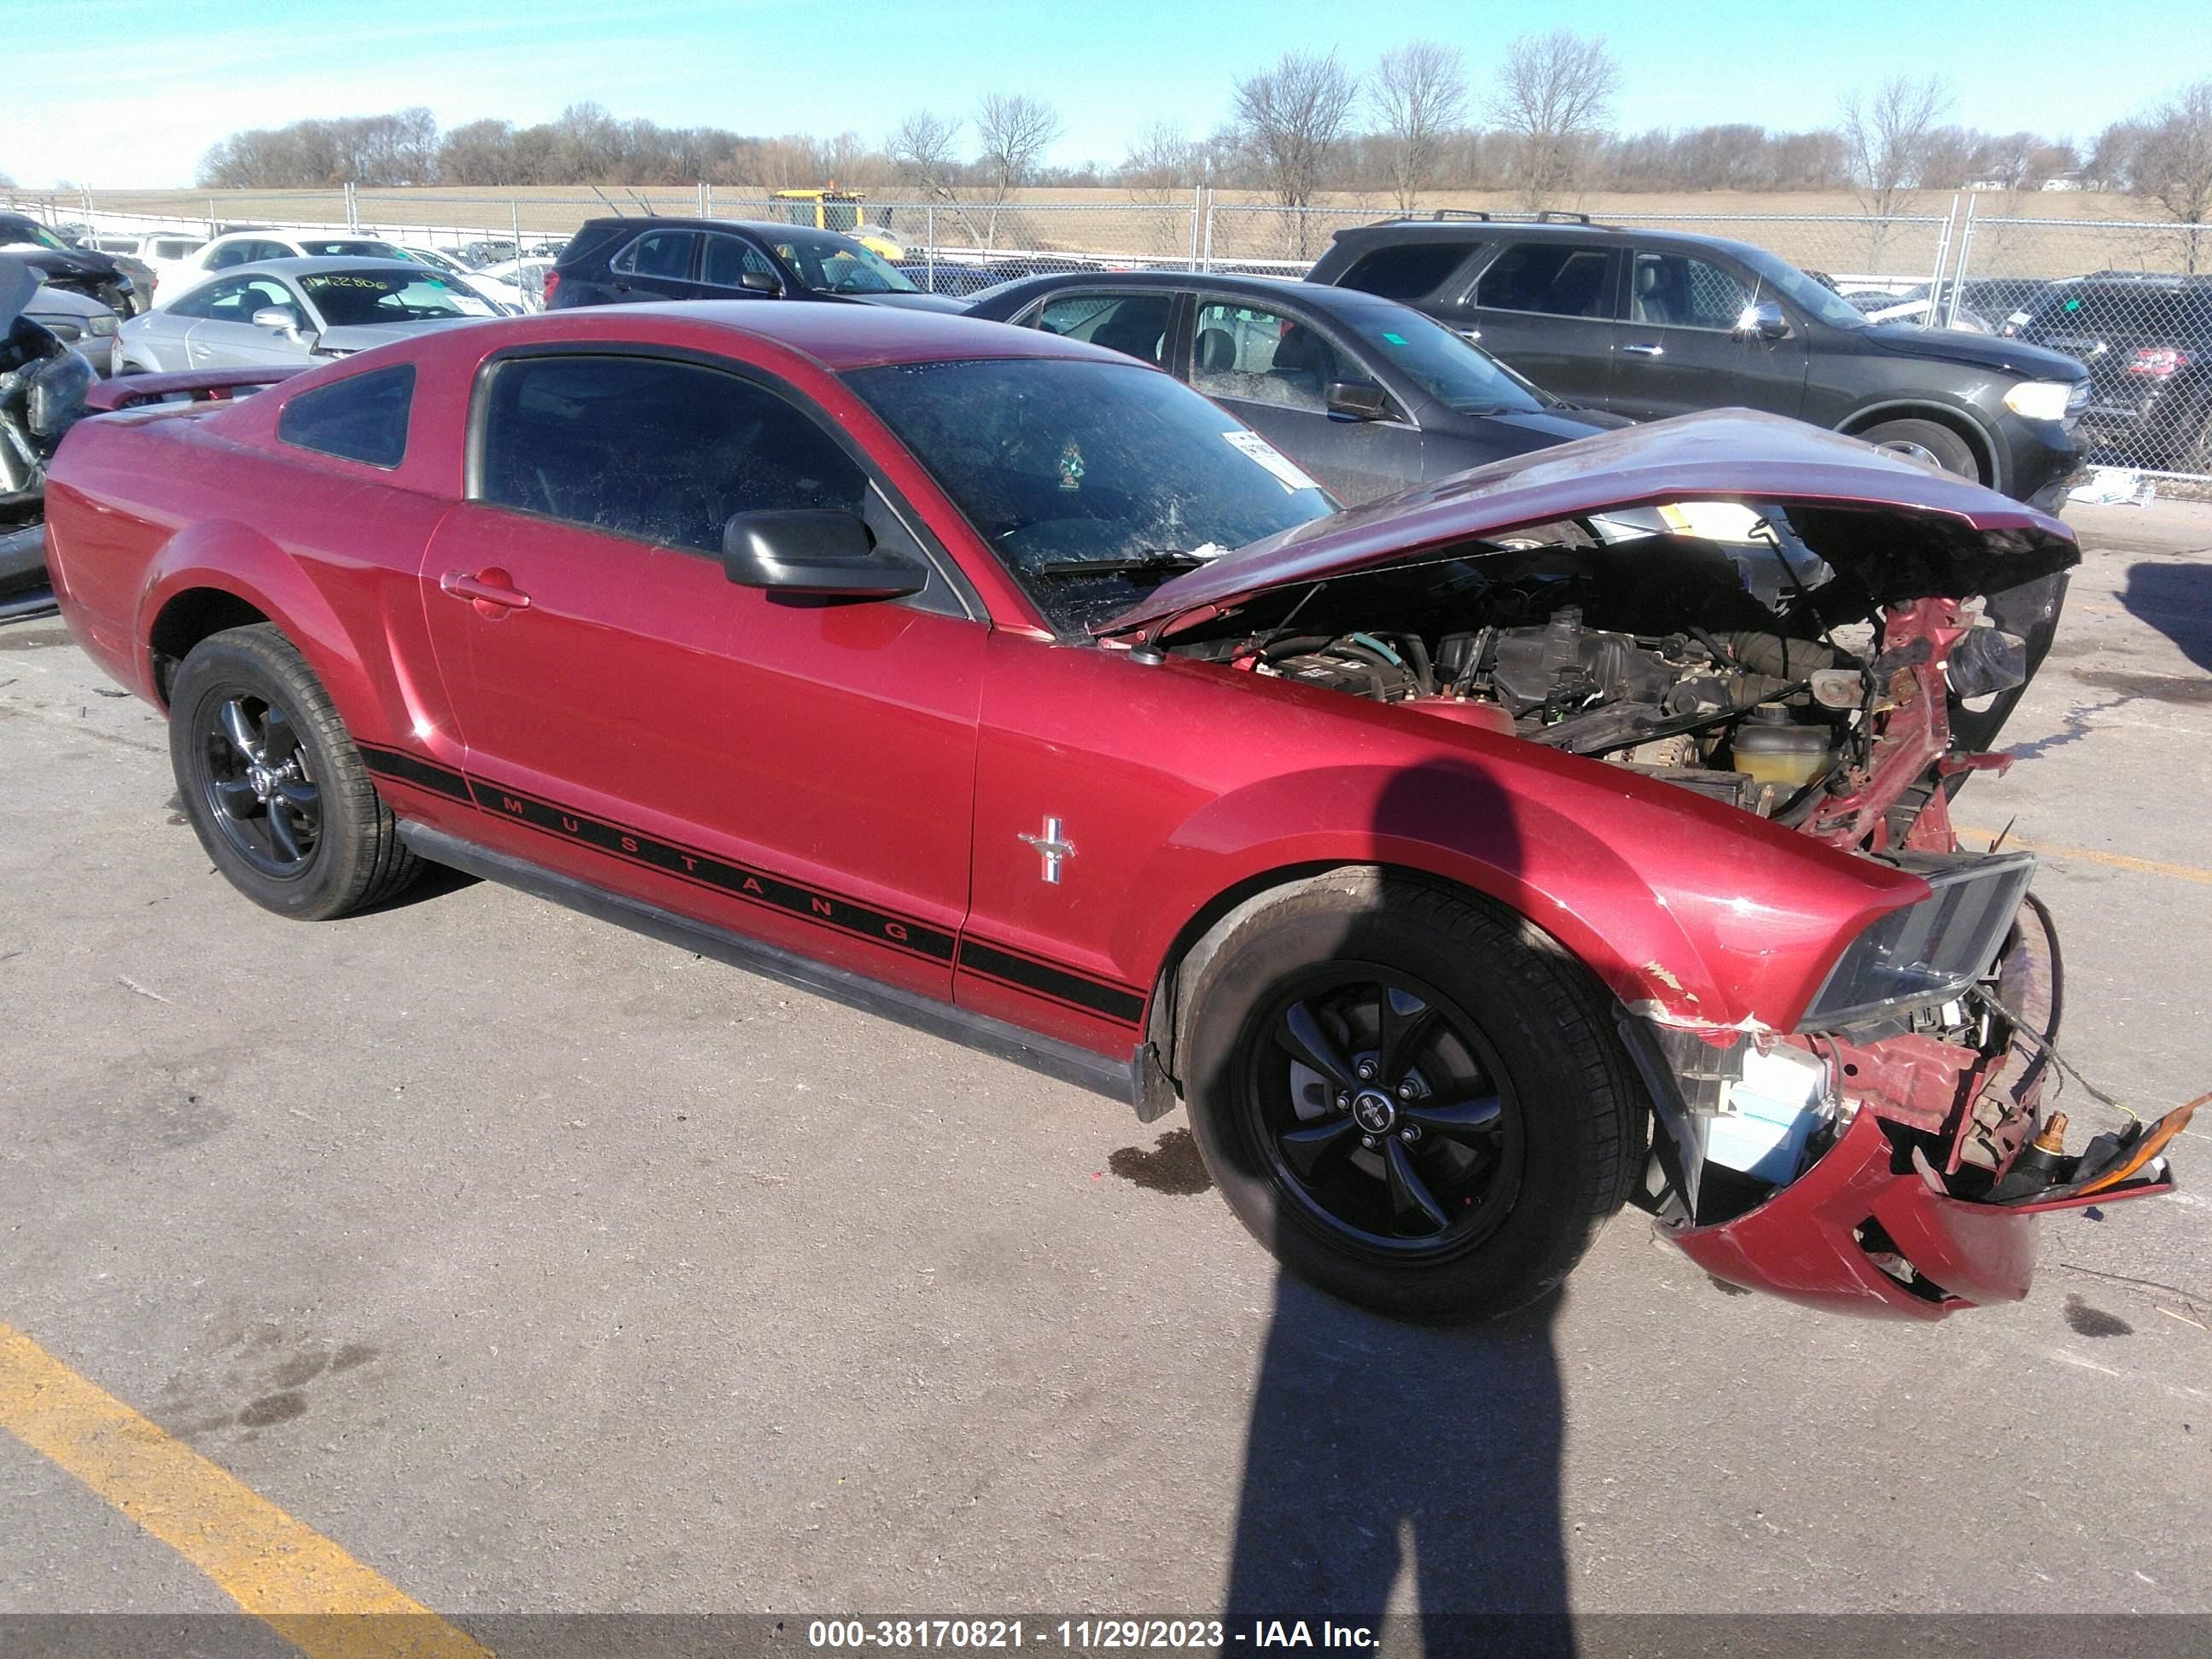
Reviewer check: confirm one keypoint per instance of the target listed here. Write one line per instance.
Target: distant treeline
(588, 146)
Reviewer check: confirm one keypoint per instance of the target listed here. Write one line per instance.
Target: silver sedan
(281, 311)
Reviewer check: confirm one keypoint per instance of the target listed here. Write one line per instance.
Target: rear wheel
(1927, 440)
(1415, 1101)
(273, 786)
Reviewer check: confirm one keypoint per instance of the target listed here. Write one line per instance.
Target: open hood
(1901, 528)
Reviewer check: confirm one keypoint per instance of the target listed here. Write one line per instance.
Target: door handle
(1646, 349)
(492, 592)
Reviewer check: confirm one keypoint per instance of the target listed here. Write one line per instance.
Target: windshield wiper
(1163, 558)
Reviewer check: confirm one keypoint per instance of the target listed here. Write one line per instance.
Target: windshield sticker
(1071, 467)
(1285, 470)
(1394, 339)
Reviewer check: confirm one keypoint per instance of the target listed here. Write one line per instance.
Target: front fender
(1691, 913)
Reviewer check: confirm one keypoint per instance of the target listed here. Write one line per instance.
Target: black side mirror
(1763, 321)
(1356, 400)
(817, 550)
(760, 282)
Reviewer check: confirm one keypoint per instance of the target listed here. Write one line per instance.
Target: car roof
(1320, 296)
(1390, 231)
(308, 265)
(838, 337)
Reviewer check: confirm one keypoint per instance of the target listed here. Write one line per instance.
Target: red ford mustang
(1570, 832)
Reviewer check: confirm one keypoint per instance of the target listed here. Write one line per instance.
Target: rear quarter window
(1413, 270)
(362, 417)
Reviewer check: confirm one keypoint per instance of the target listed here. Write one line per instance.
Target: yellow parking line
(303, 1586)
(2116, 861)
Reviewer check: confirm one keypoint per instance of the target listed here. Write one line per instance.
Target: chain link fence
(2132, 300)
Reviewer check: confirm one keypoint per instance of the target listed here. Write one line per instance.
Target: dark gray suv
(1648, 324)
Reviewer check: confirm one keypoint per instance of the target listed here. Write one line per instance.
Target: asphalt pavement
(544, 1267)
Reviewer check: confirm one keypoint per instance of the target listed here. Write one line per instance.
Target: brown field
(1813, 229)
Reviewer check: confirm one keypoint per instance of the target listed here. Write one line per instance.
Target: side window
(238, 299)
(1135, 324)
(1557, 279)
(660, 450)
(1674, 290)
(230, 254)
(1411, 270)
(1246, 352)
(658, 253)
(201, 301)
(362, 417)
(730, 260)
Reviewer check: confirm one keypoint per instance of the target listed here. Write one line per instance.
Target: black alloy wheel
(257, 785)
(1384, 1112)
(273, 786)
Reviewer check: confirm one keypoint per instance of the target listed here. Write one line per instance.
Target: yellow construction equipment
(843, 211)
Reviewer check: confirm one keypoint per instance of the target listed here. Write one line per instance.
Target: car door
(725, 260)
(1271, 366)
(657, 265)
(223, 334)
(797, 769)
(1677, 348)
(1547, 306)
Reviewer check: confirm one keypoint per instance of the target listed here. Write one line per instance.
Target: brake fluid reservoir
(1771, 748)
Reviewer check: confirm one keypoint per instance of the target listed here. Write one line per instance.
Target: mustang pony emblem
(1052, 847)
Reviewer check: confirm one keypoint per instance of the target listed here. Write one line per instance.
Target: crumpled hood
(2014, 358)
(1941, 535)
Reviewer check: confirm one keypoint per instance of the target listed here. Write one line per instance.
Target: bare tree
(1890, 138)
(925, 149)
(1013, 130)
(1555, 99)
(1162, 164)
(1420, 92)
(1288, 117)
(2173, 159)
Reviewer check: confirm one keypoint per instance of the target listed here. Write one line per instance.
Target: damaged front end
(1817, 634)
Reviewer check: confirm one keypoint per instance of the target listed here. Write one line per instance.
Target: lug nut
(1411, 1133)
(1405, 1090)
(1368, 1142)
(1366, 1071)
(1344, 1103)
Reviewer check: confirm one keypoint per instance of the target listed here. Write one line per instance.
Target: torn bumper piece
(1854, 1234)
(1869, 1229)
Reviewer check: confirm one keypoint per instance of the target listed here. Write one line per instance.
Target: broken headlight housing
(1930, 952)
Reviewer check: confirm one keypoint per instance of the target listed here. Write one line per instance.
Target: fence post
(352, 210)
(1959, 265)
(929, 245)
(211, 229)
(703, 199)
(1197, 210)
(1206, 256)
(1942, 252)
(706, 200)
(514, 221)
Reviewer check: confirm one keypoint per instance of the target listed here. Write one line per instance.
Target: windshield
(26, 235)
(348, 298)
(1780, 276)
(430, 257)
(1061, 464)
(830, 264)
(1457, 375)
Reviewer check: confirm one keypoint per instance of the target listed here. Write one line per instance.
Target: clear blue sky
(132, 92)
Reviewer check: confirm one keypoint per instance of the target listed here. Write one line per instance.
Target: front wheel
(1414, 1100)
(1927, 441)
(273, 786)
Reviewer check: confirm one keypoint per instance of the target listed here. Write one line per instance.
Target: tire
(1931, 439)
(1485, 1012)
(274, 788)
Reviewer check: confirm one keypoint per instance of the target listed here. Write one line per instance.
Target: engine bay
(1746, 669)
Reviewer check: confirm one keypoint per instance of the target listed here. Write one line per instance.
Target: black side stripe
(759, 887)
(1114, 1002)
(413, 769)
(1038, 978)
